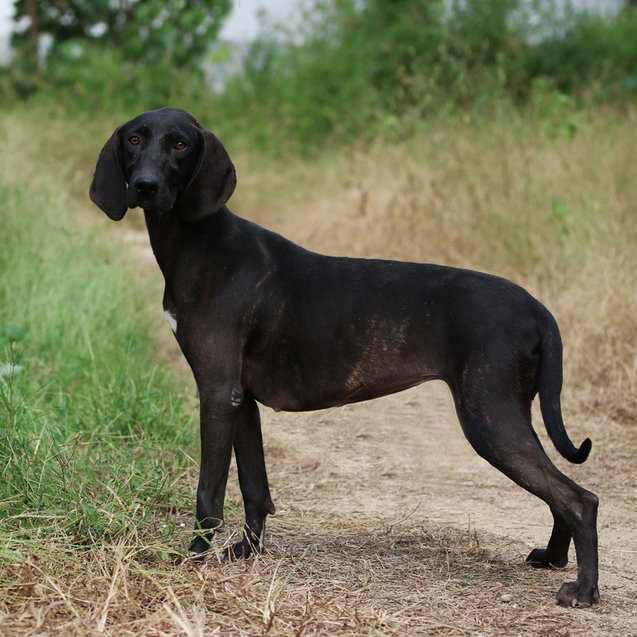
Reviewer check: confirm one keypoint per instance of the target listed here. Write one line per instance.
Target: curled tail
(550, 388)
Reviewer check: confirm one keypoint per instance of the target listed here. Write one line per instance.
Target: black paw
(242, 550)
(200, 545)
(573, 594)
(540, 558)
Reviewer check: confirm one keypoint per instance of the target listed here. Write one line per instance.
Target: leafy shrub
(362, 69)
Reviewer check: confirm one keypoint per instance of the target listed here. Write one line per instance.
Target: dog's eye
(180, 145)
(134, 140)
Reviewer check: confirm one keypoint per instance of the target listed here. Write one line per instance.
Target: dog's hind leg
(253, 479)
(499, 429)
(555, 555)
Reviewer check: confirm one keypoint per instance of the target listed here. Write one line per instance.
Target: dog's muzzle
(146, 192)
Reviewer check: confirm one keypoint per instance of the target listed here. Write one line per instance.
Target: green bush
(358, 70)
(590, 52)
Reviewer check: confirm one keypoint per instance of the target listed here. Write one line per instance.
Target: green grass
(94, 428)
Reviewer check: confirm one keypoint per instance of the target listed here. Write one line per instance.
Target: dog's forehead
(163, 120)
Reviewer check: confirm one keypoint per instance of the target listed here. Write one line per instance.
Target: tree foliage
(112, 38)
(143, 30)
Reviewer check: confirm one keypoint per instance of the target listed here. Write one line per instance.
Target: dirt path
(400, 466)
(389, 523)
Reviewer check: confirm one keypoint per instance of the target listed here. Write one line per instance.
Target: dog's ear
(212, 183)
(108, 190)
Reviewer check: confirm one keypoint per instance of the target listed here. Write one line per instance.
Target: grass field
(377, 531)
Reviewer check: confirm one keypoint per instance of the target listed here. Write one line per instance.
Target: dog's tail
(550, 388)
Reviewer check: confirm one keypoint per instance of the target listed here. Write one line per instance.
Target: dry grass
(347, 577)
(321, 576)
(388, 524)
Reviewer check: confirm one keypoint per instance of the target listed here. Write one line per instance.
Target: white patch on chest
(171, 320)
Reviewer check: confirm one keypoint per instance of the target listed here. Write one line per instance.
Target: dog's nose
(145, 185)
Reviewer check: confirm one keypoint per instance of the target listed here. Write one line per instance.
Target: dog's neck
(183, 250)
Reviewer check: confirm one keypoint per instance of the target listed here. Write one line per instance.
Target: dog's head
(164, 162)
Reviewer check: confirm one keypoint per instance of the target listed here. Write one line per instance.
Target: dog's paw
(540, 558)
(242, 550)
(573, 594)
(200, 545)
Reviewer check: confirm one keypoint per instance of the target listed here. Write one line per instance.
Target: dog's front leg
(248, 449)
(218, 416)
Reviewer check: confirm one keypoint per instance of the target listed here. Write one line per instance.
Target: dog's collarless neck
(176, 244)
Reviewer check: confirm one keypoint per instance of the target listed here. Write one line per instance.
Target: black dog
(261, 319)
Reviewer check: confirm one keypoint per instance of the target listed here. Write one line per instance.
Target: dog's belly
(288, 398)
(327, 381)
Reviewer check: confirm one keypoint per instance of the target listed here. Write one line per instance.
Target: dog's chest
(171, 319)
